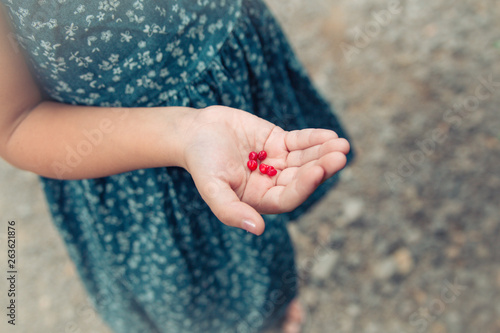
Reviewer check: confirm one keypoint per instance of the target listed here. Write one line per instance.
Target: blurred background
(410, 239)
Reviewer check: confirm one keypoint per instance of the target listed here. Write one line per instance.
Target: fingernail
(249, 226)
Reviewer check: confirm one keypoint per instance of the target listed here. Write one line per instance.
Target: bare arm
(73, 142)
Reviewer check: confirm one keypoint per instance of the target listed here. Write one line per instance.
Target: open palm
(217, 152)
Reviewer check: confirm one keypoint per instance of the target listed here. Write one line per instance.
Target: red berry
(271, 171)
(252, 165)
(262, 155)
(263, 168)
(252, 156)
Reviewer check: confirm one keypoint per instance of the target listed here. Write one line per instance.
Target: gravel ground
(409, 241)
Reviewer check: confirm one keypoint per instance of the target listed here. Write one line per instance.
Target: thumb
(229, 209)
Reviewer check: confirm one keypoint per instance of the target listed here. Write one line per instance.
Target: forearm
(75, 142)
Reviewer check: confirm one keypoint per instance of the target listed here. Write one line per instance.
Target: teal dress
(152, 256)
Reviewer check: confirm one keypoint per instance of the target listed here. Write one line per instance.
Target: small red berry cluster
(264, 168)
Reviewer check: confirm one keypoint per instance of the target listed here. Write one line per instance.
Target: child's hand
(216, 155)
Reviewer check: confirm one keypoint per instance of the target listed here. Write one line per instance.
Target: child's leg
(295, 318)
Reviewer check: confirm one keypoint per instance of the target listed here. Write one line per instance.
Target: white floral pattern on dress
(99, 23)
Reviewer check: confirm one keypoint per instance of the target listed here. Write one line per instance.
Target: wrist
(177, 135)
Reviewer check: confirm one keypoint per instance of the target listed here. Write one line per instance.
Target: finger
(302, 139)
(302, 183)
(230, 210)
(300, 157)
(340, 145)
(332, 163)
(306, 181)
